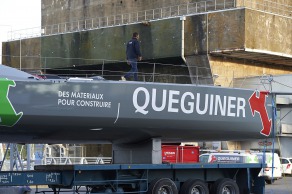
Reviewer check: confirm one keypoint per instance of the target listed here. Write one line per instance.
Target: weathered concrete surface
(215, 31)
(22, 54)
(262, 32)
(238, 29)
(226, 30)
(62, 11)
(199, 69)
(227, 69)
(162, 39)
(268, 32)
(81, 48)
(195, 35)
(282, 7)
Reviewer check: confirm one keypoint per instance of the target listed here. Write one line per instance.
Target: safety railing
(126, 18)
(178, 73)
(60, 161)
(114, 69)
(151, 15)
(76, 160)
(269, 6)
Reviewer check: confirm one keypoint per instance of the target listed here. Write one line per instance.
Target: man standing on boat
(133, 55)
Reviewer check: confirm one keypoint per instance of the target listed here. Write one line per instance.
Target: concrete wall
(22, 54)
(61, 11)
(275, 6)
(162, 39)
(109, 44)
(268, 32)
(226, 30)
(195, 35)
(81, 48)
(227, 69)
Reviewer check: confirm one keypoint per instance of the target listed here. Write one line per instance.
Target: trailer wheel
(94, 190)
(162, 186)
(269, 182)
(225, 186)
(120, 190)
(99, 190)
(196, 186)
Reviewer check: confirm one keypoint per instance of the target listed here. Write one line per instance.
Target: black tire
(162, 186)
(99, 190)
(225, 185)
(194, 186)
(120, 190)
(94, 190)
(269, 182)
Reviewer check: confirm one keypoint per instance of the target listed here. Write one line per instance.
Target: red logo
(257, 104)
(213, 159)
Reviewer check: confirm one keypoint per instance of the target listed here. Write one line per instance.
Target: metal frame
(136, 175)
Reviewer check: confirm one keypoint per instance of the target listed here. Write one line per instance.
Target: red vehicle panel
(180, 154)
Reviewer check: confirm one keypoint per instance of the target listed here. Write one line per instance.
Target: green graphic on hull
(8, 116)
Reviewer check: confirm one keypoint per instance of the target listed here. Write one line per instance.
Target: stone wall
(227, 69)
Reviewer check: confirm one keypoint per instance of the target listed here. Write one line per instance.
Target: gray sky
(16, 15)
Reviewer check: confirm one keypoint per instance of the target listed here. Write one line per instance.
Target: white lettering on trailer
(173, 101)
